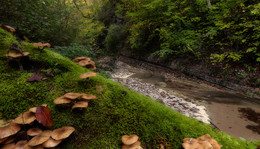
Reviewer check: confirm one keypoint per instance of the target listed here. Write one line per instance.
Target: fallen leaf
(35, 77)
(43, 116)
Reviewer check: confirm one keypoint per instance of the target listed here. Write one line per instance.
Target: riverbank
(192, 97)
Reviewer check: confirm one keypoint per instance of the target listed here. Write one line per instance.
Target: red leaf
(43, 116)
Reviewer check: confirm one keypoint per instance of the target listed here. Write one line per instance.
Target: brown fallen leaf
(43, 116)
(34, 78)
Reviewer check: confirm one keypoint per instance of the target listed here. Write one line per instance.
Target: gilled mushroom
(9, 130)
(8, 146)
(87, 96)
(17, 57)
(33, 109)
(25, 118)
(51, 143)
(20, 144)
(3, 140)
(62, 100)
(212, 141)
(34, 132)
(8, 28)
(87, 75)
(78, 59)
(41, 138)
(133, 146)
(81, 104)
(27, 146)
(62, 133)
(72, 95)
(129, 140)
(10, 139)
(42, 45)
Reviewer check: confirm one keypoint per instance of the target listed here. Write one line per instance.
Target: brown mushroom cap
(51, 143)
(41, 45)
(8, 146)
(20, 144)
(16, 55)
(87, 96)
(25, 118)
(80, 104)
(87, 75)
(192, 145)
(212, 141)
(9, 130)
(34, 132)
(133, 146)
(33, 109)
(84, 63)
(41, 138)
(62, 100)
(72, 96)
(129, 140)
(78, 59)
(8, 28)
(62, 133)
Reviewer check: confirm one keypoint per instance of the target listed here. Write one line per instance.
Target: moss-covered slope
(115, 112)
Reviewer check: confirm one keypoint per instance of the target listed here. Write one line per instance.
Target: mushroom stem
(20, 65)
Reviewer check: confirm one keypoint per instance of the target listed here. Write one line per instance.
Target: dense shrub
(75, 50)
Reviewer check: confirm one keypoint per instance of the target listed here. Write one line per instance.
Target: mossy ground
(115, 112)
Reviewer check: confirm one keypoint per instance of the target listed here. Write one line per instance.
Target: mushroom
(25, 118)
(17, 57)
(34, 132)
(9, 130)
(27, 146)
(3, 140)
(8, 146)
(81, 104)
(41, 138)
(129, 140)
(87, 96)
(133, 146)
(213, 142)
(78, 59)
(20, 144)
(41, 46)
(72, 96)
(62, 133)
(33, 109)
(85, 62)
(10, 139)
(8, 28)
(62, 100)
(87, 75)
(51, 143)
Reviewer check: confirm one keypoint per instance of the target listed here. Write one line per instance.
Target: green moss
(107, 118)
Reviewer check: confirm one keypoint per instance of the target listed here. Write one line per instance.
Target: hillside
(116, 111)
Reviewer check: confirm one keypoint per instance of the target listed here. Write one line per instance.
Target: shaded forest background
(218, 32)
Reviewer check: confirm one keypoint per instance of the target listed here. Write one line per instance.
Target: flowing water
(229, 111)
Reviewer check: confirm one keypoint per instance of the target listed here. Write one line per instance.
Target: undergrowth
(116, 111)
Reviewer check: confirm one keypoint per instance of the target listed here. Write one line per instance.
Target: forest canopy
(226, 32)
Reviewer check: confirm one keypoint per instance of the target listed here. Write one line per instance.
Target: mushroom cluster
(131, 142)
(72, 98)
(85, 62)
(13, 136)
(203, 142)
(87, 75)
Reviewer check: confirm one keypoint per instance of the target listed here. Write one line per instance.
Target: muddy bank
(192, 97)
